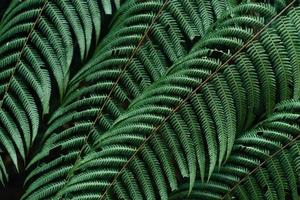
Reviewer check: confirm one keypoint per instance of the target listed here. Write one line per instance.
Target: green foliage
(180, 99)
(120, 72)
(264, 163)
(36, 50)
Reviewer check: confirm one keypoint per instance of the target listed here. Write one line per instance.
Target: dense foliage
(151, 99)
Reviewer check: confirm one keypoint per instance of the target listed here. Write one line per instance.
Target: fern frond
(119, 65)
(36, 45)
(262, 164)
(128, 137)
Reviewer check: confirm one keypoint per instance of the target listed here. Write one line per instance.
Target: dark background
(3, 5)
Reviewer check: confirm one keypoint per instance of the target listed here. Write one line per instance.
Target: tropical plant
(175, 99)
(39, 41)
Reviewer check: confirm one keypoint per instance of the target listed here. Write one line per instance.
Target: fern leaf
(262, 164)
(36, 50)
(125, 63)
(151, 112)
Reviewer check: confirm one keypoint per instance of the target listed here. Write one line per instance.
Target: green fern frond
(130, 137)
(36, 45)
(121, 70)
(262, 164)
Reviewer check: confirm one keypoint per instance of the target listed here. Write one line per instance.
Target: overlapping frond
(178, 121)
(146, 38)
(37, 42)
(264, 163)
